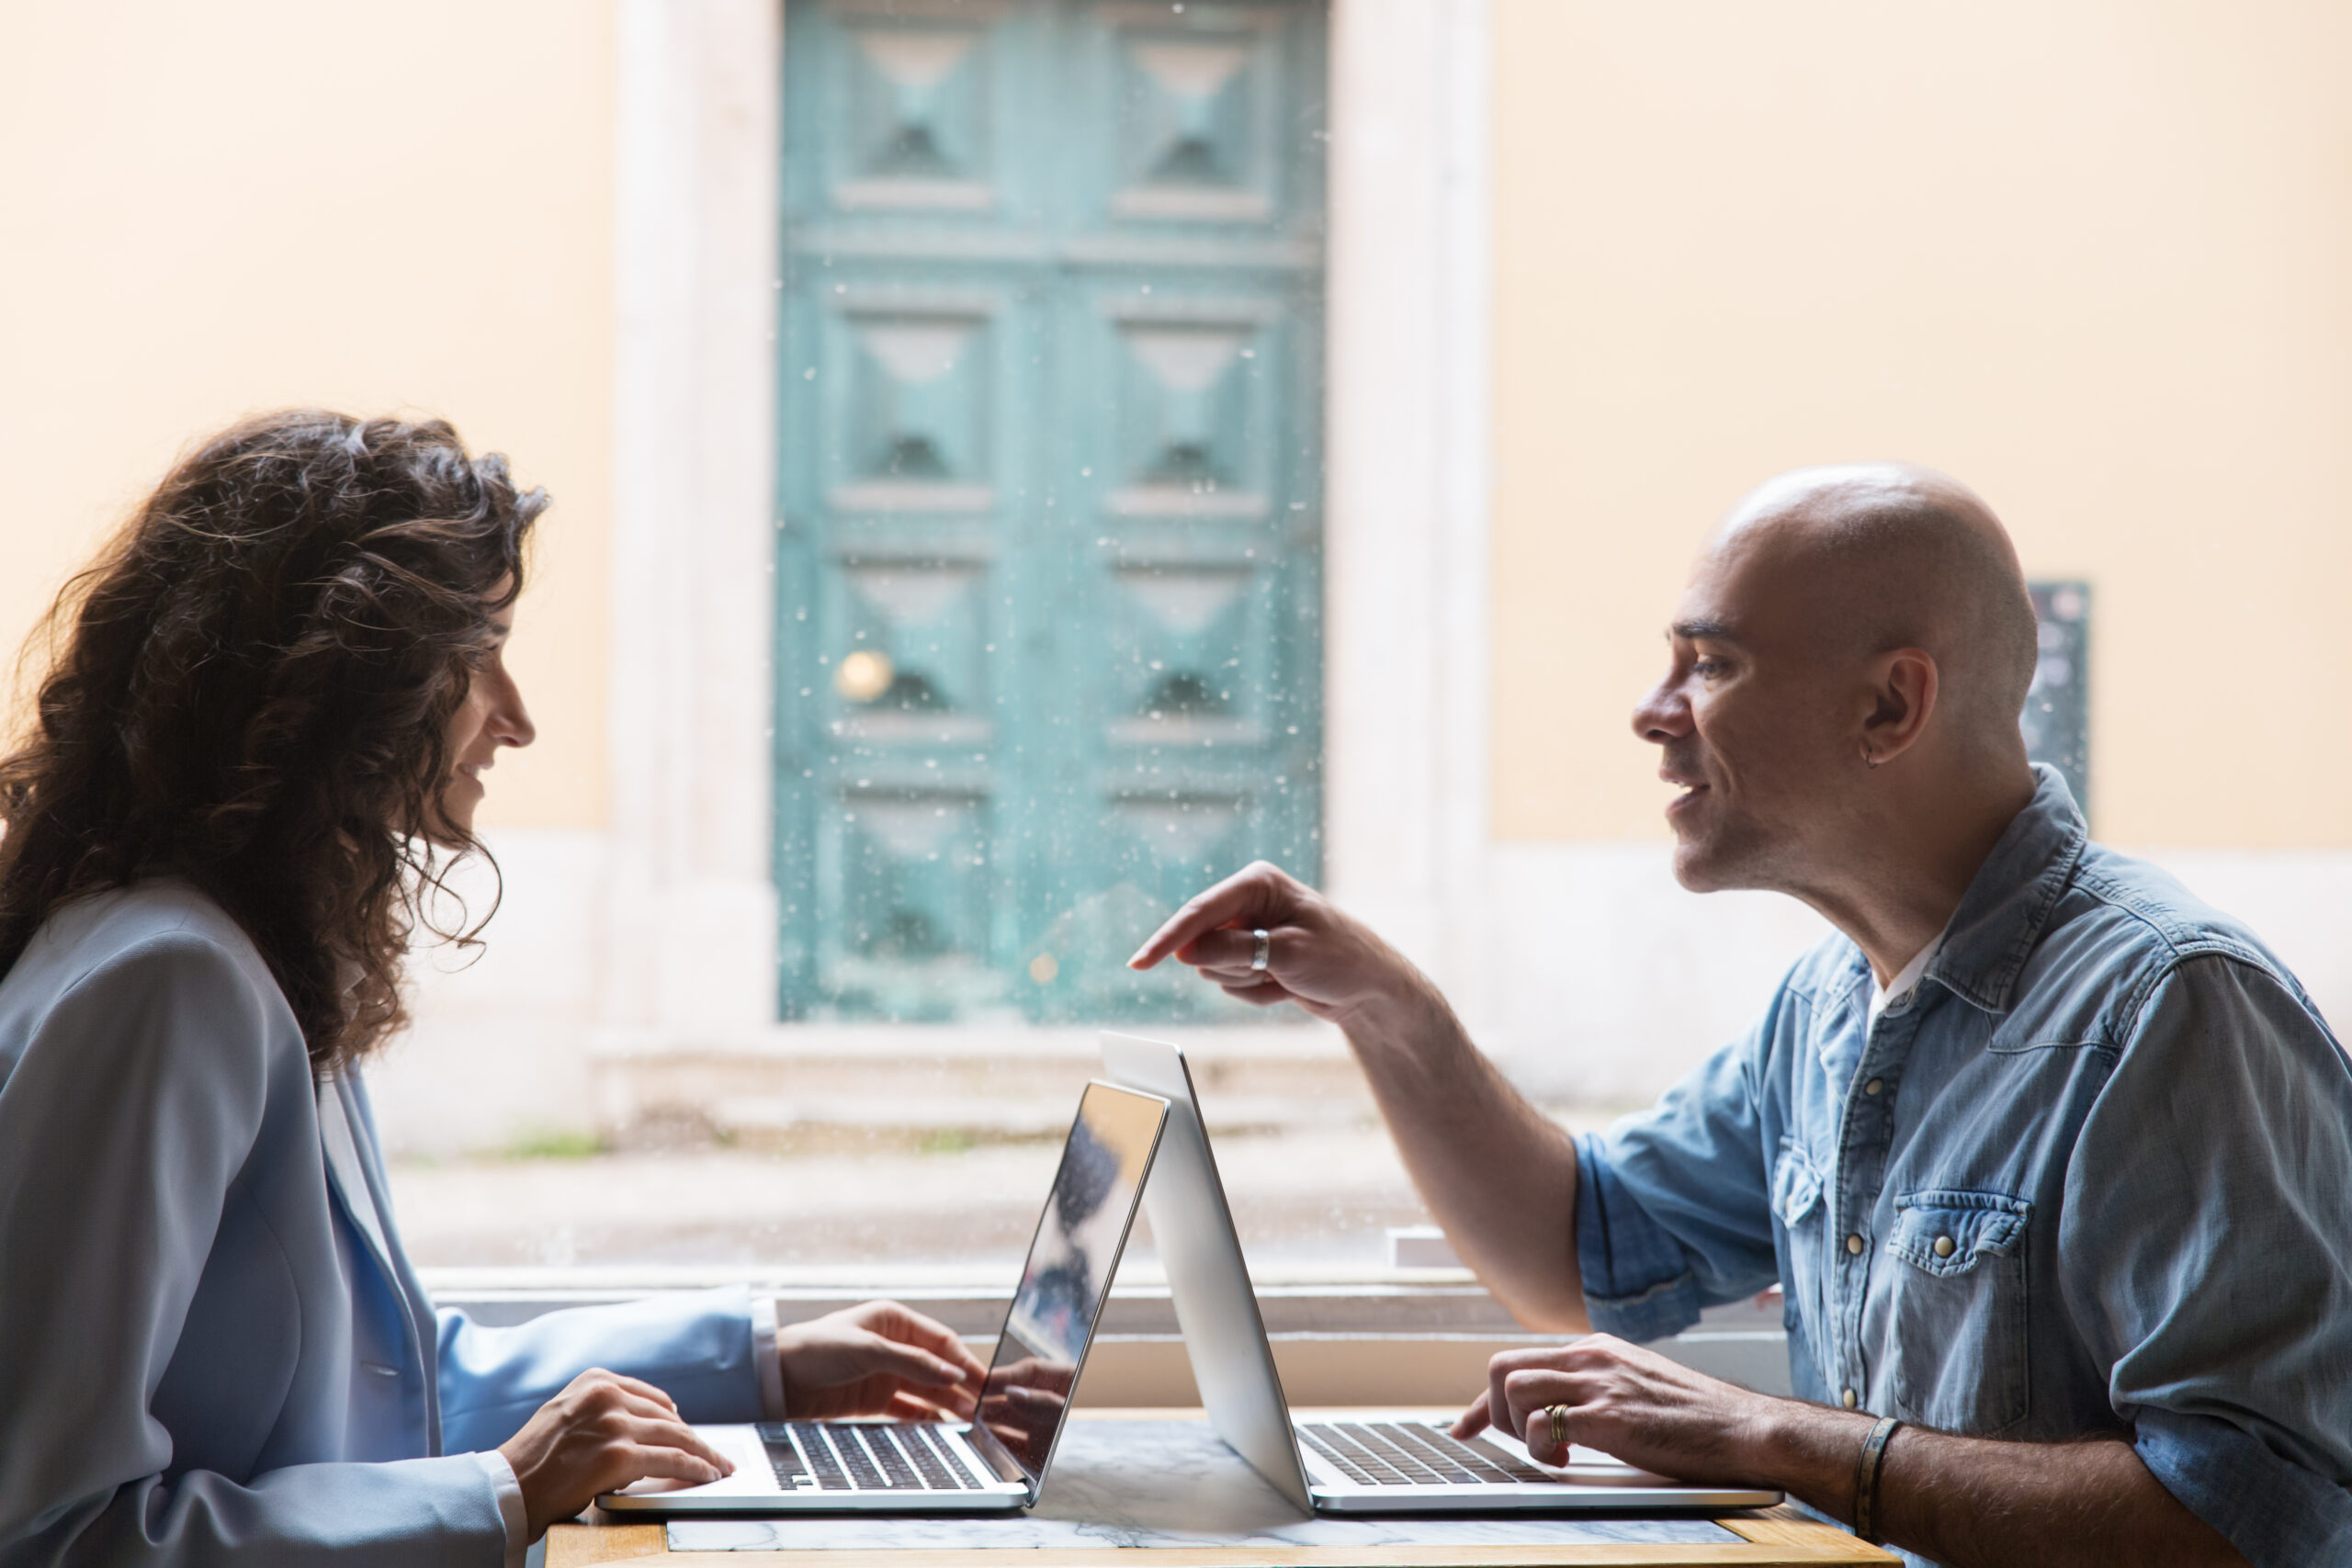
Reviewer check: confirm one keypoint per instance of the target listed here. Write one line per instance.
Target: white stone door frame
(698, 130)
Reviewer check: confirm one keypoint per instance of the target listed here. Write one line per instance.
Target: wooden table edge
(1766, 1541)
(1769, 1538)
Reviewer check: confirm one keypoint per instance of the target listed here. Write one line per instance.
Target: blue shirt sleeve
(1673, 1205)
(2200, 1272)
(698, 1349)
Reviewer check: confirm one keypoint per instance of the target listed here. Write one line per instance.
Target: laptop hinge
(984, 1443)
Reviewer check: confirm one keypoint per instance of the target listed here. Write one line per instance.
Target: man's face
(1752, 720)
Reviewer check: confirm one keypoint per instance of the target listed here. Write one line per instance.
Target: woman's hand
(601, 1433)
(876, 1359)
(1023, 1401)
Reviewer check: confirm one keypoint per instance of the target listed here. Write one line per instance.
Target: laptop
(998, 1463)
(1370, 1463)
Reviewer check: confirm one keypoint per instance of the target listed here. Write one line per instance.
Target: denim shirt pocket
(1796, 1199)
(1958, 1309)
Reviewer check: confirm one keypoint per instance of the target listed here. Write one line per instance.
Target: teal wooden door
(1048, 585)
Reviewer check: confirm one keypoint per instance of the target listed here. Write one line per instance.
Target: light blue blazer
(211, 1349)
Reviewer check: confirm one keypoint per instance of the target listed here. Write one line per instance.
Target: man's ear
(1903, 698)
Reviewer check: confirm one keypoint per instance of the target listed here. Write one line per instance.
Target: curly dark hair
(250, 689)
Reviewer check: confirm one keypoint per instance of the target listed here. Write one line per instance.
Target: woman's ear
(1903, 698)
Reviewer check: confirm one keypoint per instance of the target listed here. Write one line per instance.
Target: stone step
(982, 1082)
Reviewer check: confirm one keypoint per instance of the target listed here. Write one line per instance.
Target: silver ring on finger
(1262, 952)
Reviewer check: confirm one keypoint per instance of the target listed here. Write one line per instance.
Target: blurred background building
(1017, 460)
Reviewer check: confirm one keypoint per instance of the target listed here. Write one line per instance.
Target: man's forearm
(1971, 1501)
(1497, 1173)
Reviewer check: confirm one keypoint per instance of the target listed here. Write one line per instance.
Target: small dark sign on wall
(2057, 719)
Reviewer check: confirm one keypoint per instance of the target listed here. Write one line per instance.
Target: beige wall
(2090, 257)
(211, 209)
(2093, 257)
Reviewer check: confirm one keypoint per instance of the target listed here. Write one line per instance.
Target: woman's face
(492, 716)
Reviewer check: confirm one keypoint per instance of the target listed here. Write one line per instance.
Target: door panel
(1049, 542)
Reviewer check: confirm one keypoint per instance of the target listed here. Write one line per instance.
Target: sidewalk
(1307, 1195)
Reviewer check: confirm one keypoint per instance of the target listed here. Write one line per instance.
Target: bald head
(1883, 556)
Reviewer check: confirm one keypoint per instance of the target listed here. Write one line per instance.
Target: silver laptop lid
(1217, 1308)
(1067, 1278)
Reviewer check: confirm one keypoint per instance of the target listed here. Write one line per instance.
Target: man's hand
(1971, 1501)
(1497, 1174)
(1653, 1414)
(880, 1359)
(601, 1433)
(1326, 961)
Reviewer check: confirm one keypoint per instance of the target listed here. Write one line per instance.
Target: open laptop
(1366, 1464)
(996, 1462)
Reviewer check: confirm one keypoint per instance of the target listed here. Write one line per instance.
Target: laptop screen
(1068, 1276)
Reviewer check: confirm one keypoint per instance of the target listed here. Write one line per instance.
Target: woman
(260, 746)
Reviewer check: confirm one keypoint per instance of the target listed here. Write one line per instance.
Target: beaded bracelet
(1866, 1479)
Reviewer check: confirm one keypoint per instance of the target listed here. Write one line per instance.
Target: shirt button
(1874, 1086)
(1848, 1397)
(1945, 1247)
(1854, 1245)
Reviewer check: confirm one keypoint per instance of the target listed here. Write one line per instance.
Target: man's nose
(1663, 715)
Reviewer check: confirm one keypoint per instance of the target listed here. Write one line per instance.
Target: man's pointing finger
(1232, 899)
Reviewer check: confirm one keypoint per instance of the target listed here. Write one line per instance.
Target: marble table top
(1167, 1483)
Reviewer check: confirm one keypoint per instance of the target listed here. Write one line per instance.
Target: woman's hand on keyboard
(601, 1433)
(880, 1359)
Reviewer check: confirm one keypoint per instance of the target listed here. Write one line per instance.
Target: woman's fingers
(676, 1436)
(1474, 1420)
(601, 1432)
(639, 1460)
(638, 1387)
(911, 1363)
(637, 1405)
(905, 1323)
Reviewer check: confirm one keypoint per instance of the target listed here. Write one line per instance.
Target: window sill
(1403, 1338)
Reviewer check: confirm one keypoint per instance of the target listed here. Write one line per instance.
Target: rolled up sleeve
(2271, 1509)
(2205, 1258)
(1673, 1213)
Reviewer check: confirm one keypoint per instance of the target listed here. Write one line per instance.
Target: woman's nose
(511, 723)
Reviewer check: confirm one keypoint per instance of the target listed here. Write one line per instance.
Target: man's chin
(1700, 868)
(1690, 871)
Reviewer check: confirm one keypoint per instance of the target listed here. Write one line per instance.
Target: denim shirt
(2093, 1175)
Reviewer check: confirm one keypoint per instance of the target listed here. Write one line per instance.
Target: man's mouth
(1686, 790)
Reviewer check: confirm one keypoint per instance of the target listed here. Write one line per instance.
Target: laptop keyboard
(844, 1456)
(1406, 1454)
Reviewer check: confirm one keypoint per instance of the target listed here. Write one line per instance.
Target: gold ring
(1559, 1415)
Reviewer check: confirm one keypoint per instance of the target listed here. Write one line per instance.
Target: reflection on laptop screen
(1068, 1276)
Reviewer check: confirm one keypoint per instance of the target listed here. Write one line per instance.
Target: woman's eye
(1707, 669)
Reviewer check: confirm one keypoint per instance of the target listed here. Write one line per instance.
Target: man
(2051, 1159)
